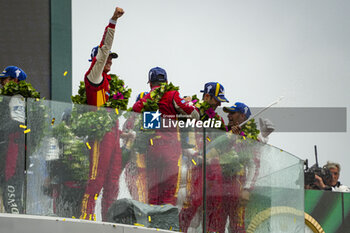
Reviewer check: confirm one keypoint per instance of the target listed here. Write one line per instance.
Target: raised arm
(98, 63)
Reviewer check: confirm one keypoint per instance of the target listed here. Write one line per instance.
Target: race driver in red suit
(163, 157)
(213, 95)
(105, 155)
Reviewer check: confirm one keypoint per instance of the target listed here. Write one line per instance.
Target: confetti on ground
(151, 141)
(138, 224)
(88, 146)
(37, 99)
(53, 121)
(149, 218)
(161, 206)
(194, 162)
(208, 139)
(65, 73)
(157, 229)
(73, 217)
(116, 111)
(23, 126)
(63, 219)
(96, 196)
(26, 131)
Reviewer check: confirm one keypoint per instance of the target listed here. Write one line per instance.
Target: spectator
(333, 184)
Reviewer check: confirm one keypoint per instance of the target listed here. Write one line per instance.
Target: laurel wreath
(207, 112)
(156, 95)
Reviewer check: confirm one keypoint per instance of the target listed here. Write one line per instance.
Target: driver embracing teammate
(105, 155)
(163, 156)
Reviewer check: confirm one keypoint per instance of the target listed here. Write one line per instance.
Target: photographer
(332, 184)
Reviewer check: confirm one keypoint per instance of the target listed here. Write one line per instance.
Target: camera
(309, 175)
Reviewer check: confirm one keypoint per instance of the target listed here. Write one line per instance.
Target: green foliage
(94, 124)
(21, 88)
(156, 95)
(206, 111)
(119, 94)
(75, 156)
(230, 163)
(250, 129)
(81, 97)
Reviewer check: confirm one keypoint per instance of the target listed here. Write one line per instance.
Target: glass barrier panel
(251, 186)
(12, 154)
(103, 165)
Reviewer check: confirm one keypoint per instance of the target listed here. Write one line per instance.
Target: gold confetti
(161, 206)
(65, 73)
(138, 224)
(26, 131)
(23, 126)
(157, 229)
(243, 137)
(64, 220)
(53, 121)
(149, 218)
(208, 139)
(151, 141)
(96, 195)
(116, 111)
(37, 99)
(88, 146)
(194, 162)
(73, 217)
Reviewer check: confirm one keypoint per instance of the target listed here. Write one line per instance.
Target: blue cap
(13, 72)
(95, 50)
(141, 95)
(239, 107)
(157, 74)
(216, 90)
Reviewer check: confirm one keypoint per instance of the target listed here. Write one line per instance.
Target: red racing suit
(214, 188)
(105, 156)
(12, 154)
(164, 155)
(232, 187)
